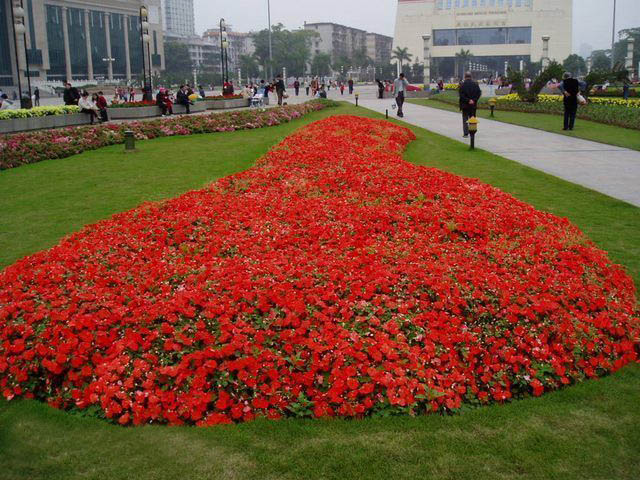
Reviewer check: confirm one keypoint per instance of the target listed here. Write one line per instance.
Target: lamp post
(492, 104)
(17, 14)
(270, 46)
(146, 57)
(427, 61)
(224, 54)
(613, 33)
(473, 129)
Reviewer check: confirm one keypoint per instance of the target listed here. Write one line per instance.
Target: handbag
(581, 99)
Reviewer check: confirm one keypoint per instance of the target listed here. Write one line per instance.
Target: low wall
(225, 104)
(196, 107)
(42, 123)
(132, 113)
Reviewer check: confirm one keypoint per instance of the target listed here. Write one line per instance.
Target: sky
(592, 21)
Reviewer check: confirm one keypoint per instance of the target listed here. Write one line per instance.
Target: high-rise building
(178, 18)
(495, 33)
(240, 43)
(342, 41)
(79, 40)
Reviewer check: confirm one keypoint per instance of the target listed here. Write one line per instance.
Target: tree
(321, 65)
(601, 60)
(178, 65)
(249, 66)
(517, 79)
(575, 64)
(291, 50)
(621, 47)
(401, 54)
(417, 72)
(462, 58)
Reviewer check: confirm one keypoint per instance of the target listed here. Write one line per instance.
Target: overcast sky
(592, 18)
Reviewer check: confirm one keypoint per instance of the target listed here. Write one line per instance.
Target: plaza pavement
(607, 169)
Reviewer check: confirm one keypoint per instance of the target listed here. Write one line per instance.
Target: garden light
(492, 104)
(473, 128)
(129, 142)
(357, 96)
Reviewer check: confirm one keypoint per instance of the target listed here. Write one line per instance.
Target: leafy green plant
(38, 112)
(530, 95)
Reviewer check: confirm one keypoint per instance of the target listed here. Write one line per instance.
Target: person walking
(306, 86)
(350, 83)
(570, 89)
(296, 86)
(470, 93)
(625, 89)
(36, 97)
(341, 88)
(380, 88)
(400, 87)
(280, 89)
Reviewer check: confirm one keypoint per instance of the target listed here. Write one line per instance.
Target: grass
(588, 431)
(585, 129)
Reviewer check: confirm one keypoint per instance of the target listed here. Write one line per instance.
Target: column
(87, 34)
(107, 34)
(65, 37)
(628, 64)
(126, 47)
(427, 61)
(545, 51)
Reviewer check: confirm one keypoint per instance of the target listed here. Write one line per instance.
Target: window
(444, 37)
(481, 36)
(520, 35)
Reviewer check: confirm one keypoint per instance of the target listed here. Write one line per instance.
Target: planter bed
(196, 107)
(125, 113)
(41, 123)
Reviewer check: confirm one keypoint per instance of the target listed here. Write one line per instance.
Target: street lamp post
(613, 33)
(224, 54)
(17, 14)
(146, 54)
(270, 46)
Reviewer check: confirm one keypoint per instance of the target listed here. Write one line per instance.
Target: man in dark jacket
(350, 83)
(570, 88)
(183, 99)
(280, 89)
(470, 93)
(71, 95)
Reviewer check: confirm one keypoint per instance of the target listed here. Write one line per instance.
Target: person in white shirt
(400, 87)
(88, 106)
(5, 103)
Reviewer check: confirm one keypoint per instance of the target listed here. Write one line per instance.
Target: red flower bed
(334, 278)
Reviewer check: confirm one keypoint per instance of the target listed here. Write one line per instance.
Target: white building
(178, 18)
(494, 31)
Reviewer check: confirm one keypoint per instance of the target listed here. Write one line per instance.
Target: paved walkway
(611, 170)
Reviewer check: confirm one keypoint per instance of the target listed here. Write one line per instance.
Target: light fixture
(18, 12)
(146, 38)
(144, 12)
(145, 25)
(20, 30)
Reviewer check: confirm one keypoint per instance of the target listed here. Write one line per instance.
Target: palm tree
(401, 54)
(462, 57)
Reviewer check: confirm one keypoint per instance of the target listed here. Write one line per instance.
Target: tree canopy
(291, 49)
(575, 64)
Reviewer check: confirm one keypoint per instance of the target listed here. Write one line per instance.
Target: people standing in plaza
(5, 103)
(201, 91)
(470, 93)
(570, 88)
(350, 83)
(36, 97)
(280, 89)
(625, 89)
(400, 87)
(88, 106)
(296, 86)
(71, 95)
(380, 88)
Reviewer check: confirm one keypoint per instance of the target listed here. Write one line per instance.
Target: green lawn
(598, 132)
(588, 431)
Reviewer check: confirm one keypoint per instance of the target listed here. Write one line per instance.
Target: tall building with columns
(79, 40)
(496, 33)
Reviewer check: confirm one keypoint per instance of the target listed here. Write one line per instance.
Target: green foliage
(621, 47)
(601, 60)
(178, 65)
(38, 112)
(401, 55)
(321, 64)
(530, 95)
(575, 64)
(462, 58)
(291, 49)
(249, 66)
(599, 76)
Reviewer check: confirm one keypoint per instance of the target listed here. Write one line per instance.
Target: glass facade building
(482, 36)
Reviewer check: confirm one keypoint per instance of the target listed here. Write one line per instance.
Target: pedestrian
(296, 86)
(36, 96)
(306, 86)
(88, 106)
(164, 102)
(625, 89)
(183, 98)
(71, 95)
(350, 83)
(101, 103)
(380, 88)
(280, 89)
(570, 88)
(5, 103)
(469, 93)
(400, 86)
(201, 91)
